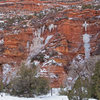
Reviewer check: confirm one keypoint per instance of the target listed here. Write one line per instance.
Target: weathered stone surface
(65, 28)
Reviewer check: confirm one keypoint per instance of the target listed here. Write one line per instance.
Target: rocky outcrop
(52, 39)
(68, 39)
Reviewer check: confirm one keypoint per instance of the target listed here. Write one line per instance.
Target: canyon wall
(51, 41)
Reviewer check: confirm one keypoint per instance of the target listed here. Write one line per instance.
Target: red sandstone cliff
(56, 36)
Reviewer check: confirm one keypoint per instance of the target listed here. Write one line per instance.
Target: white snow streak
(86, 40)
(51, 27)
(2, 41)
(85, 25)
(48, 38)
(6, 71)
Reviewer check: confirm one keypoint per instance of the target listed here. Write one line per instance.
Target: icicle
(86, 40)
(48, 38)
(51, 27)
(85, 25)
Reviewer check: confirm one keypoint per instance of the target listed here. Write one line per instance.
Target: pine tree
(80, 90)
(1, 86)
(26, 84)
(95, 82)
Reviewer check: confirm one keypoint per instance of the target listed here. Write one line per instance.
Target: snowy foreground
(55, 96)
(7, 97)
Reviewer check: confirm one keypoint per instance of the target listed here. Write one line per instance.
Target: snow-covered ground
(55, 96)
(4, 96)
(7, 97)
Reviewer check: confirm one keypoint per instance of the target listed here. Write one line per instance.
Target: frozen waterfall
(86, 40)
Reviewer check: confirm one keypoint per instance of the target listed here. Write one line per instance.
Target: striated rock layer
(50, 40)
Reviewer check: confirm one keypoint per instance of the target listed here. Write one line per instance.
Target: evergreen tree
(95, 82)
(1, 86)
(84, 88)
(80, 91)
(26, 83)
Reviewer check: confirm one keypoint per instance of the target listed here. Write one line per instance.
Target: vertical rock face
(47, 35)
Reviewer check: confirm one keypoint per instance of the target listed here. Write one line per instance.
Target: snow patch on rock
(51, 27)
(6, 71)
(36, 63)
(2, 41)
(48, 38)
